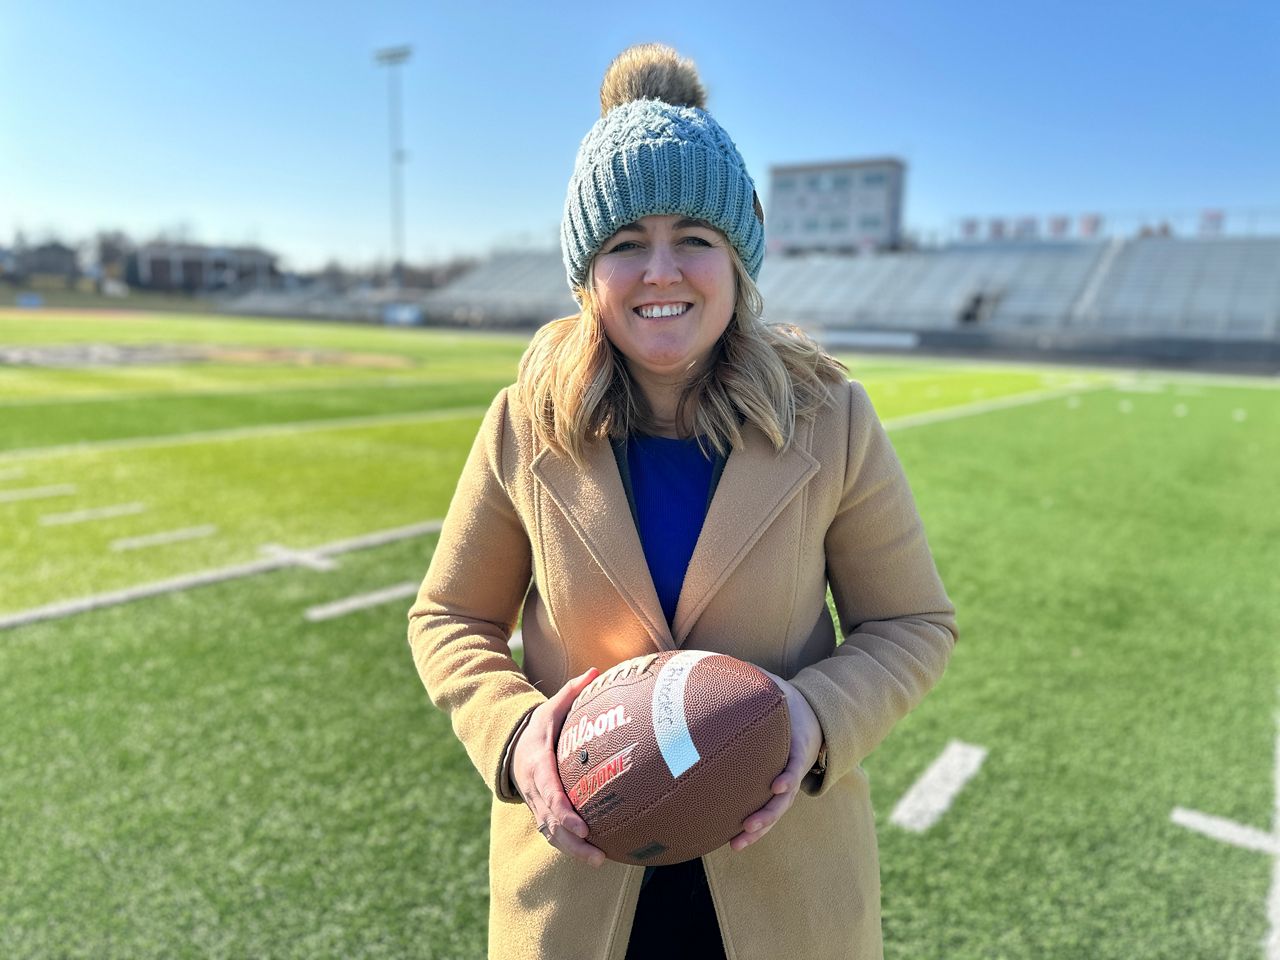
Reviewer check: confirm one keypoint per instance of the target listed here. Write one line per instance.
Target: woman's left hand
(806, 741)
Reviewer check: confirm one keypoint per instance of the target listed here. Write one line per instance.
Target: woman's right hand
(537, 775)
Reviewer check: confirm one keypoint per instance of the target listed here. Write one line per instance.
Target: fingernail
(580, 830)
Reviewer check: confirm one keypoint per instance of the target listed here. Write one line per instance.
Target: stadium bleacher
(1161, 297)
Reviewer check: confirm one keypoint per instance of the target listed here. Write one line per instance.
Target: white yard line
(164, 537)
(310, 559)
(96, 513)
(233, 390)
(37, 493)
(1249, 838)
(930, 797)
(243, 433)
(1227, 831)
(361, 601)
(98, 601)
(12, 473)
(986, 406)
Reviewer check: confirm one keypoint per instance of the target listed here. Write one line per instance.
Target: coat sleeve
(461, 623)
(899, 626)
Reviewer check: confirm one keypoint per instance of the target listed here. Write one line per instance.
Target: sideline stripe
(1228, 831)
(986, 406)
(362, 601)
(37, 493)
(243, 433)
(928, 799)
(96, 513)
(168, 536)
(98, 601)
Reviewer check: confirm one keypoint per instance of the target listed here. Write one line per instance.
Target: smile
(653, 311)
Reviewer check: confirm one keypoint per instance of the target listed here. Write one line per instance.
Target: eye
(623, 247)
(696, 241)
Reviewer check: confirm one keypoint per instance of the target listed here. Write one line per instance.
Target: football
(665, 755)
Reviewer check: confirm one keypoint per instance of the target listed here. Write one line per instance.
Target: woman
(670, 472)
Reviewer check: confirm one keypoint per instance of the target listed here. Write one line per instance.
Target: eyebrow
(684, 224)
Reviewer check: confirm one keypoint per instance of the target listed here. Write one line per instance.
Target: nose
(661, 269)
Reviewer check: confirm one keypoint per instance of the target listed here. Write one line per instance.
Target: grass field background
(207, 773)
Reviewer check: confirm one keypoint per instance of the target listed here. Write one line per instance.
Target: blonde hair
(576, 386)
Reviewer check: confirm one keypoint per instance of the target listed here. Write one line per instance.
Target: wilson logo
(587, 729)
(600, 776)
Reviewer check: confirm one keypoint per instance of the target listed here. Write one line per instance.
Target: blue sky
(267, 122)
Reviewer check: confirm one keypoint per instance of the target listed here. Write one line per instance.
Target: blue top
(670, 487)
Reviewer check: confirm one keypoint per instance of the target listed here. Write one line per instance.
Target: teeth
(653, 311)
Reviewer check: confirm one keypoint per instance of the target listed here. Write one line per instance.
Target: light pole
(392, 57)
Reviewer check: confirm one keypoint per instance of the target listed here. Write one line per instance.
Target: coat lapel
(595, 506)
(757, 484)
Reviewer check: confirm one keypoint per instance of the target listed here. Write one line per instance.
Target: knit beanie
(655, 150)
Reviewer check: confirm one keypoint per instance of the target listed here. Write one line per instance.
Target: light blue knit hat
(648, 156)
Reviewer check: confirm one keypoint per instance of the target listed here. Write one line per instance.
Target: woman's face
(664, 290)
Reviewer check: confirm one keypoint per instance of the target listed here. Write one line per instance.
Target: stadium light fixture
(392, 57)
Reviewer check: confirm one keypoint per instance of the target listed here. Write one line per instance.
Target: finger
(567, 843)
(569, 692)
(556, 801)
(762, 821)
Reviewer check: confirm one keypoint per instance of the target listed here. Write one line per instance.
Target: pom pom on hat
(651, 71)
(655, 150)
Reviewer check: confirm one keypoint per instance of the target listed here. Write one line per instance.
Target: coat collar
(756, 486)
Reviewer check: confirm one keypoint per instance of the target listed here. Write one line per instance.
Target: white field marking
(1239, 416)
(13, 473)
(1179, 409)
(1139, 386)
(1248, 838)
(1228, 831)
(230, 390)
(301, 558)
(361, 601)
(1272, 943)
(985, 406)
(97, 601)
(517, 641)
(244, 433)
(928, 799)
(96, 513)
(166, 536)
(37, 493)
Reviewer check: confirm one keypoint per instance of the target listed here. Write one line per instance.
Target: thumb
(569, 692)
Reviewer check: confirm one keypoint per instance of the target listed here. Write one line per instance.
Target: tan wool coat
(528, 530)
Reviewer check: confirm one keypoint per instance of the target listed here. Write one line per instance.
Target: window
(784, 183)
(841, 181)
(876, 178)
(869, 223)
(838, 224)
(814, 181)
(811, 225)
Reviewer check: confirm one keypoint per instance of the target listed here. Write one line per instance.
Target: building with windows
(193, 267)
(840, 207)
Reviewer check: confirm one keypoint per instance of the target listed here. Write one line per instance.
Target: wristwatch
(820, 765)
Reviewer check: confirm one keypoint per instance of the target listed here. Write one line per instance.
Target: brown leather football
(664, 756)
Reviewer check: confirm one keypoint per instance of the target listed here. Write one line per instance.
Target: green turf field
(206, 772)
